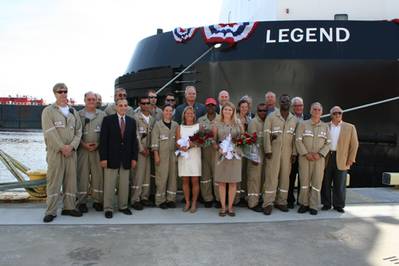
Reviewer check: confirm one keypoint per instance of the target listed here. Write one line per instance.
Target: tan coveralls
(163, 140)
(61, 172)
(256, 172)
(157, 114)
(141, 181)
(311, 138)
(208, 155)
(280, 142)
(89, 167)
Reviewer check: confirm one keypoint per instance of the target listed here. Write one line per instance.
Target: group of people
(135, 154)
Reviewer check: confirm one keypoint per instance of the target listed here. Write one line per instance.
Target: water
(26, 147)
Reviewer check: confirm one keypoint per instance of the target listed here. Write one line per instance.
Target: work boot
(268, 210)
(126, 211)
(73, 213)
(303, 209)
(108, 214)
(171, 204)
(83, 208)
(325, 208)
(257, 208)
(282, 208)
(163, 205)
(146, 203)
(137, 206)
(49, 218)
(313, 212)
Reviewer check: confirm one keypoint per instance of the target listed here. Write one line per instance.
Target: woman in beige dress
(189, 160)
(227, 171)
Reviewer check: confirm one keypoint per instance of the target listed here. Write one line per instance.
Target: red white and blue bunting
(182, 35)
(228, 33)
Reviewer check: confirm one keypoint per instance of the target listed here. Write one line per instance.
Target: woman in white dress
(189, 160)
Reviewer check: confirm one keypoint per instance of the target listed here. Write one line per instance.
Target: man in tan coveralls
(279, 143)
(89, 169)
(120, 93)
(163, 144)
(141, 182)
(208, 155)
(62, 132)
(256, 171)
(312, 143)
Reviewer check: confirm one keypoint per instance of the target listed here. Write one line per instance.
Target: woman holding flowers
(189, 160)
(228, 162)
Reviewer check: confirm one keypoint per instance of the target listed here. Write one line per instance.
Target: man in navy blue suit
(118, 154)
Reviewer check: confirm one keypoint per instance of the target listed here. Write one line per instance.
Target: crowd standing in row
(112, 152)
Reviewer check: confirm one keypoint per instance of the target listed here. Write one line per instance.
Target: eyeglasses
(337, 113)
(122, 94)
(152, 97)
(262, 111)
(61, 92)
(146, 103)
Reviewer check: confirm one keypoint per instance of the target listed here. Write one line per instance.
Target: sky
(86, 44)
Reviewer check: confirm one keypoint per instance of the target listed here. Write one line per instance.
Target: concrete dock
(366, 234)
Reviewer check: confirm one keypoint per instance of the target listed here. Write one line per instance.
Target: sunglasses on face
(152, 97)
(146, 103)
(122, 94)
(61, 92)
(337, 113)
(262, 111)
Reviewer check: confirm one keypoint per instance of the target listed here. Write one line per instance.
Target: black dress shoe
(303, 209)
(98, 206)
(163, 205)
(268, 210)
(282, 208)
(325, 208)
(108, 214)
(171, 204)
(49, 218)
(218, 205)
(126, 211)
(83, 208)
(257, 208)
(291, 205)
(73, 213)
(339, 209)
(313, 212)
(137, 206)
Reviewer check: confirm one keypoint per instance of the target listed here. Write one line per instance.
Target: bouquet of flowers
(227, 147)
(202, 138)
(249, 147)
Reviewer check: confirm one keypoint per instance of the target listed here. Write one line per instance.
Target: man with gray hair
(223, 97)
(270, 100)
(191, 96)
(312, 144)
(120, 93)
(89, 171)
(344, 145)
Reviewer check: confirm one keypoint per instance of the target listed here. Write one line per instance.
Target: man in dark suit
(118, 154)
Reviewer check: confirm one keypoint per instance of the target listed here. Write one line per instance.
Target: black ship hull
(360, 70)
(20, 116)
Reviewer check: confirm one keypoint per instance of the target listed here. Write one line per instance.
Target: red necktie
(123, 125)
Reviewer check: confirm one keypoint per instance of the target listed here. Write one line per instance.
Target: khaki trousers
(311, 179)
(166, 180)
(111, 180)
(255, 180)
(141, 180)
(90, 176)
(208, 172)
(61, 173)
(278, 170)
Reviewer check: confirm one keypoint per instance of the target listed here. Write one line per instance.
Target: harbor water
(26, 147)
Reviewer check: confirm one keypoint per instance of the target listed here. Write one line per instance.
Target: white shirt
(119, 119)
(146, 118)
(64, 110)
(334, 133)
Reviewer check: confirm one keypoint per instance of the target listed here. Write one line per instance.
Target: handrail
(366, 105)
